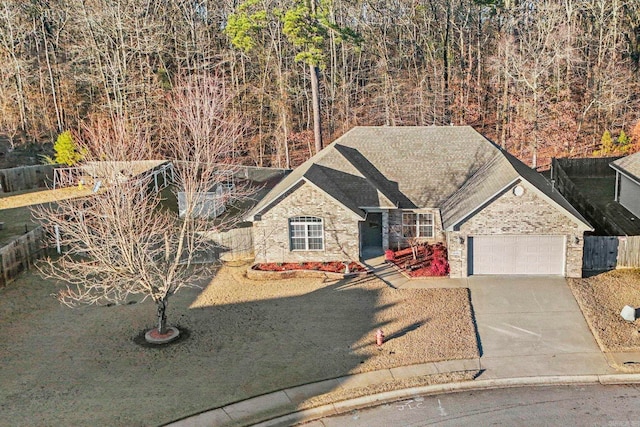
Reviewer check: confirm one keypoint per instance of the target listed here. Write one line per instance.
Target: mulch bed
(423, 260)
(330, 267)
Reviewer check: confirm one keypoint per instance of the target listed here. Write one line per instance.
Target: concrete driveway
(532, 326)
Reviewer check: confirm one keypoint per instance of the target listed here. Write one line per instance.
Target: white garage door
(539, 255)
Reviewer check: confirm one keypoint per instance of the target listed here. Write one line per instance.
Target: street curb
(246, 412)
(342, 407)
(284, 402)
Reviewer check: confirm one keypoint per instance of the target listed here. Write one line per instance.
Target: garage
(516, 254)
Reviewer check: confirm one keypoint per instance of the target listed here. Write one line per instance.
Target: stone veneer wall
(395, 228)
(510, 214)
(341, 235)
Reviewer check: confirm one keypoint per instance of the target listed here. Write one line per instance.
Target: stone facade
(528, 213)
(271, 232)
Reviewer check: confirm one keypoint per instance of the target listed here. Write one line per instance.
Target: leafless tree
(517, 70)
(124, 240)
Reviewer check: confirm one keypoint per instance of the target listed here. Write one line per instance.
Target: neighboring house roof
(452, 168)
(629, 165)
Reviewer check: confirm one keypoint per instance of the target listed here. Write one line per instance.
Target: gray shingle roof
(629, 164)
(453, 168)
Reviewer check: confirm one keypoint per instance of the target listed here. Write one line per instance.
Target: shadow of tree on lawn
(265, 343)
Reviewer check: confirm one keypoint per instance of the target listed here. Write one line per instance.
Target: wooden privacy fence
(610, 252)
(565, 186)
(596, 166)
(25, 178)
(20, 254)
(234, 244)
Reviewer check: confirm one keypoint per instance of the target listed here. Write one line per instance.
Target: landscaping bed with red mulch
(423, 260)
(330, 267)
(287, 270)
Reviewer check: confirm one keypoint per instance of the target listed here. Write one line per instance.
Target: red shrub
(439, 267)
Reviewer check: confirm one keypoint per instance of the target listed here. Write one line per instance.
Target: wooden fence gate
(609, 252)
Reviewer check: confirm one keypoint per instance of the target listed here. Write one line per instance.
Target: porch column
(385, 230)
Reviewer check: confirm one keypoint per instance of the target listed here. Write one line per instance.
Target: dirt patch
(601, 298)
(244, 338)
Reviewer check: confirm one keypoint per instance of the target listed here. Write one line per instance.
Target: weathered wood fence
(25, 178)
(234, 244)
(21, 254)
(610, 252)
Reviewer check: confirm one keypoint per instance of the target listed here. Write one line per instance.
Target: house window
(306, 233)
(417, 225)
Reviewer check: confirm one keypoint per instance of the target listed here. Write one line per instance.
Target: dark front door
(372, 230)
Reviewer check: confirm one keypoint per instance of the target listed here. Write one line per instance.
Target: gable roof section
(452, 168)
(629, 165)
(342, 182)
(545, 187)
(317, 175)
(390, 192)
(415, 166)
(494, 176)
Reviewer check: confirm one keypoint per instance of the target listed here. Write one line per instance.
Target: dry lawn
(15, 209)
(36, 197)
(64, 366)
(601, 299)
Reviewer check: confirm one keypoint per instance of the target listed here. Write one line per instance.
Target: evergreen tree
(623, 141)
(66, 150)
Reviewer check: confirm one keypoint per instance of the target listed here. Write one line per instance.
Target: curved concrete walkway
(530, 330)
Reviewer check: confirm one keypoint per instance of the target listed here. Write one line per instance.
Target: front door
(372, 230)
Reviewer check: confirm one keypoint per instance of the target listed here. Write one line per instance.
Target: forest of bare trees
(542, 78)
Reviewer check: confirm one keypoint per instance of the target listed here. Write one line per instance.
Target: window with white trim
(417, 225)
(306, 233)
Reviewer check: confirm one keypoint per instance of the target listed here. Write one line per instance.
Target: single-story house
(627, 190)
(384, 187)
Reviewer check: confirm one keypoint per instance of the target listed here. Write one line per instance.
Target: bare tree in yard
(124, 240)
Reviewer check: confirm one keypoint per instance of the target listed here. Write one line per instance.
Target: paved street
(529, 406)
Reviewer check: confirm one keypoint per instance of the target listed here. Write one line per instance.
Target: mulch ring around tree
(141, 341)
(423, 260)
